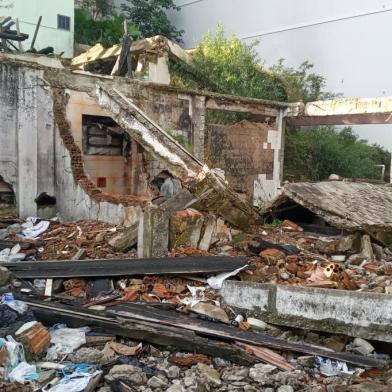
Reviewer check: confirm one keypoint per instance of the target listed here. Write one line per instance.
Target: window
(102, 136)
(63, 22)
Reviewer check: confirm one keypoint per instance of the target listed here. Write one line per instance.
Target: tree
(313, 154)
(98, 9)
(150, 17)
(108, 32)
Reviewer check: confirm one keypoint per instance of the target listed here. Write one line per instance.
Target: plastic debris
(216, 282)
(329, 367)
(35, 231)
(65, 340)
(23, 372)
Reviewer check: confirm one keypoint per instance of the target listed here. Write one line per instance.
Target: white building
(57, 26)
(346, 40)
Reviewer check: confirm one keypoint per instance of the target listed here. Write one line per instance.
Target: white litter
(23, 372)
(329, 367)
(216, 282)
(197, 295)
(65, 341)
(35, 231)
(76, 382)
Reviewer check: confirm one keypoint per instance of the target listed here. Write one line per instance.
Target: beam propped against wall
(194, 175)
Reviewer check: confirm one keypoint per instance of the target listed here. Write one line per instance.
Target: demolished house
(213, 292)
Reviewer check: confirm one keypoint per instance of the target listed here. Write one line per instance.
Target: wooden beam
(127, 267)
(341, 119)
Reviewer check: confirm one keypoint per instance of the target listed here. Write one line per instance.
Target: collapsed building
(88, 144)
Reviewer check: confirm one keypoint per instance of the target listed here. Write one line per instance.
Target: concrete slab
(358, 314)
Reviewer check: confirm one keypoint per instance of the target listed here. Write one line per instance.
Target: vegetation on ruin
(227, 65)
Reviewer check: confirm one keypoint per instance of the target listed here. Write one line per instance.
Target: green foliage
(150, 17)
(180, 139)
(228, 66)
(313, 154)
(98, 9)
(108, 32)
(301, 84)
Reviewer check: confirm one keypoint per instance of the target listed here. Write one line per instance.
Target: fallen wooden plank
(222, 331)
(160, 335)
(127, 267)
(268, 356)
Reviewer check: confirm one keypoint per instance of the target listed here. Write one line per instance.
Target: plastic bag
(75, 382)
(23, 372)
(65, 340)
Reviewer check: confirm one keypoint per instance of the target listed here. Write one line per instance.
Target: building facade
(345, 40)
(57, 26)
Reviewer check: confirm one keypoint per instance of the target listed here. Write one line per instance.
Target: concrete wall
(359, 314)
(28, 12)
(33, 158)
(347, 40)
(117, 170)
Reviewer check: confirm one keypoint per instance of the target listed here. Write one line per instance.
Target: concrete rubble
(150, 267)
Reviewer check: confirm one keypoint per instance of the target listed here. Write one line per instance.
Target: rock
(222, 233)
(126, 239)
(272, 255)
(292, 268)
(293, 378)
(46, 376)
(175, 388)
(80, 254)
(157, 382)
(128, 373)
(209, 374)
(335, 343)
(4, 276)
(211, 311)
(284, 276)
(306, 361)
(220, 362)
(235, 373)
(285, 388)
(87, 355)
(189, 381)
(378, 252)
(257, 324)
(361, 346)
(366, 248)
(209, 229)
(173, 372)
(261, 372)
(185, 228)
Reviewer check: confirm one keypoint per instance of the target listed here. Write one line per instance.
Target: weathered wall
(26, 129)
(120, 174)
(33, 158)
(243, 151)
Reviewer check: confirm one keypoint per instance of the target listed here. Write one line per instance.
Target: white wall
(28, 12)
(346, 40)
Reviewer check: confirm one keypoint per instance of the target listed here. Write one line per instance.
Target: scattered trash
(216, 281)
(329, 367)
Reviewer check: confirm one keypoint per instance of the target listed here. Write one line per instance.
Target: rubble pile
(64, 332)
(60, 358)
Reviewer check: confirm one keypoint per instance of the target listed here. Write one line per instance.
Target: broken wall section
(36, 156)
